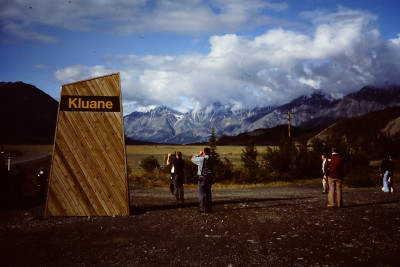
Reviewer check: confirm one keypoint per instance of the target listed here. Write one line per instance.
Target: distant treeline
(359, 139)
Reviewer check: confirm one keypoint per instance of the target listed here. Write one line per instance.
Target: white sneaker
(383, 189)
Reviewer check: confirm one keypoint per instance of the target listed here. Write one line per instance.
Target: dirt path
(278, 226)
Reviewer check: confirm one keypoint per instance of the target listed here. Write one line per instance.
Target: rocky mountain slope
(315, 111)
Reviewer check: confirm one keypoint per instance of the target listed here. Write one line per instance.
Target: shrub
(358, 177)
(149, 164)
(290, 162)
(190, 172)
(249, 161)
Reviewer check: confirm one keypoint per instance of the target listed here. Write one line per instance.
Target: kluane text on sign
(90, 103)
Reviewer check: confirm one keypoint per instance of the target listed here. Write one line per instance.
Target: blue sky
(188, 54)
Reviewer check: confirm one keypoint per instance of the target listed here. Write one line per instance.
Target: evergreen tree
(222, 168)
(249, 160)
(213, 145)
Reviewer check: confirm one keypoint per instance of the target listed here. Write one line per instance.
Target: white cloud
(395, 42)
(342, 54)
(22, 19)
(79, 72)
(26, 33)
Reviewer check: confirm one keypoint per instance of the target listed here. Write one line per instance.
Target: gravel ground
(269, 226)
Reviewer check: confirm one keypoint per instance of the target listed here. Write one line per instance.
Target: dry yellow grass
(136, 153)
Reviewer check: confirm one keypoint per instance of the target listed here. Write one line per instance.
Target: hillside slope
(364, 129)
(28, 115)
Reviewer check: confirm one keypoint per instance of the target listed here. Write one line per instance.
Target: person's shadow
(371, 204)
(136, 210)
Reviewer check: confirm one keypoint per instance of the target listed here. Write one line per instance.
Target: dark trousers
(178, 188)
(205, 198)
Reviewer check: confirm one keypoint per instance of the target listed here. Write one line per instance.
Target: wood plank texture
(88, 176)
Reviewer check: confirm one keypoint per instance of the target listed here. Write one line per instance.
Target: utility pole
(289, 118)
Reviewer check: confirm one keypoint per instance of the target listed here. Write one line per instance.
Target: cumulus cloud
(79, 72)
(341, 54)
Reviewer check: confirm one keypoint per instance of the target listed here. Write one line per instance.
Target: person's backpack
(207, 169)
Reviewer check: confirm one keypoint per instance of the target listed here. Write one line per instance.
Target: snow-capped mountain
(157, 124)
(165, 125)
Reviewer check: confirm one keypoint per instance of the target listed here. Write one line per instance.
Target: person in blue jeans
(387, 168)
(205, 178)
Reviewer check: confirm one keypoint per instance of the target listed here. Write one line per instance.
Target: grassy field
(137, 153)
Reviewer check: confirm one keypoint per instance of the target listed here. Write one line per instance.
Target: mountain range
(29, 116)
(317, 111)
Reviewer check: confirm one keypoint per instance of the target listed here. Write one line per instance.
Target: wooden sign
(88, 175)
(90, 103)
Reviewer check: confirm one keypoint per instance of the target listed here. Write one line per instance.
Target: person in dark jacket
(387, 168)
(336, 169)
(178, 176)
